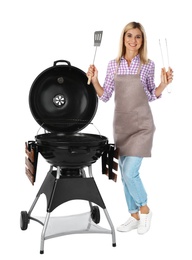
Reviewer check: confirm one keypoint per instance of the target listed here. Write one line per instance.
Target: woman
(131, 77)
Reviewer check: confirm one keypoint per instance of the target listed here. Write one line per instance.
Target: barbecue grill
(63, 104)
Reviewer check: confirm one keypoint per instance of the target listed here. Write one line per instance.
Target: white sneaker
(144, 224)
(129, 225)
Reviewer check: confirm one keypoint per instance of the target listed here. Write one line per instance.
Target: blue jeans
(135, 193)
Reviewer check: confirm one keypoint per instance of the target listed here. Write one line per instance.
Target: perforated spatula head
(98, 38)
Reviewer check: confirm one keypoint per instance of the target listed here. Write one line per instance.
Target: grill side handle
(31, 159)
(110, 162)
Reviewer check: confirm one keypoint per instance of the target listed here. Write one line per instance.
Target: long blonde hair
(142, 50)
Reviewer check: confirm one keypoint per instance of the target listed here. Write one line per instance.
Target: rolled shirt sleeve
(109, 82)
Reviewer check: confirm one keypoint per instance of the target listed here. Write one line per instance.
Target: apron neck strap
(139, 69)
(117, 68)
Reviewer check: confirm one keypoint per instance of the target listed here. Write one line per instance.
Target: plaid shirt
(146, 75)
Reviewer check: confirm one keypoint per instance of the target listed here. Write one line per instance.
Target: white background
(34, 34)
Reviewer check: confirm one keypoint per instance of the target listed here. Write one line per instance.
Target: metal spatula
(97, 42)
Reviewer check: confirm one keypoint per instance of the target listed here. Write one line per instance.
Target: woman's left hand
(169, 75)
(166, 79)
(166, 76)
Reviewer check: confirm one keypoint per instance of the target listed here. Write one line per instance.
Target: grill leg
(33, 205)
(112, 227)
(43, 233)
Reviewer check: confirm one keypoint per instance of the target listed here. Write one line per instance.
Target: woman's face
(133, 39)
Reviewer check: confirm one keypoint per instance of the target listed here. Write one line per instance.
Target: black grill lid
(60, 99)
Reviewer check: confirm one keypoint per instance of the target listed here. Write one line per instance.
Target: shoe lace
(143, 221)
(129, 221)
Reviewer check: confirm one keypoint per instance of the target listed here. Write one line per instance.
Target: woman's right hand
(92, 73)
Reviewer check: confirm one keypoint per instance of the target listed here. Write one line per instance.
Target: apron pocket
(125, 122)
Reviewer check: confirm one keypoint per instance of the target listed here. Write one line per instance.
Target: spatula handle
(89, 81)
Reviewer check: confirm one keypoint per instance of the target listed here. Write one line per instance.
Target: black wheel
(95, 214)
(24, 220)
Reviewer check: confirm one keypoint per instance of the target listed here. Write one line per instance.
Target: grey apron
(133, 124)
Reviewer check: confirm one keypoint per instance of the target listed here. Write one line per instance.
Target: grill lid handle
(65, 61)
